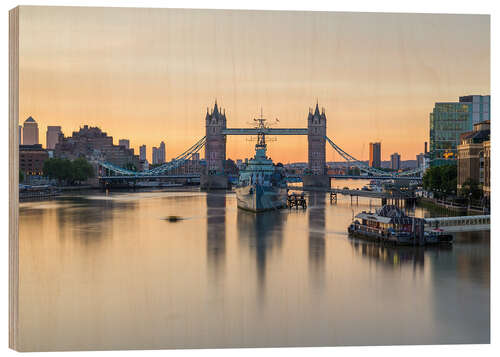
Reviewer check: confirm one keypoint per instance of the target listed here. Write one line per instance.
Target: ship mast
(261, 136)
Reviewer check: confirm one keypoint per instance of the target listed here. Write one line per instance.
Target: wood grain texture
(13, 176)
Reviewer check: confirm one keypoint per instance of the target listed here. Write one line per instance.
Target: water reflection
(216, 234)
(108, 272)
(92, 217)
(316, 242)
(261, 233)
(470, 260)
(391, 256)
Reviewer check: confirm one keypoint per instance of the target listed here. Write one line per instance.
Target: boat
(437, 235)
(261, 184)
(373, 186)
(388, 224)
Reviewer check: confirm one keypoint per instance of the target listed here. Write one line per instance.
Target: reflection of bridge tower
(317, 244)
(215, 150)
(216, 234)
(316, 139)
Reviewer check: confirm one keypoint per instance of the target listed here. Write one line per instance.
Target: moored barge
(390, 225)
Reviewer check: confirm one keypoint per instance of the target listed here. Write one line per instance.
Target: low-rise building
(486, 172)
(474, 156)
(31, 159)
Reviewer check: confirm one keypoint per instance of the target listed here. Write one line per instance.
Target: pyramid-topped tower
(215, 148)
(316, 126)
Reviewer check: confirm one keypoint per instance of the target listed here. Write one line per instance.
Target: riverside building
(31, 159)
(449, 120)
(474, 157)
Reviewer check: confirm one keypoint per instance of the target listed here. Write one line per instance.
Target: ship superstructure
(261, 184)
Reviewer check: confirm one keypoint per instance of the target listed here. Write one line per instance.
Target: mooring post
(421, 231)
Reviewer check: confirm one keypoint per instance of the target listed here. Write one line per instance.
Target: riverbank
(448, 207)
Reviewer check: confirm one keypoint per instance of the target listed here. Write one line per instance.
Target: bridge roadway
(144, 177)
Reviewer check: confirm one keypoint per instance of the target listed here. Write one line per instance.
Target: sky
(149, 75)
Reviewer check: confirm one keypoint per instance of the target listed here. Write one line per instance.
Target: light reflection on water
(107, 272)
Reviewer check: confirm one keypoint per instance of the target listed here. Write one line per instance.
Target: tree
(81, 170)
(353, 171)
(21, 176)
(442, 180)
(470, 189)
(66, 171)
(59, 169)
(130, 166)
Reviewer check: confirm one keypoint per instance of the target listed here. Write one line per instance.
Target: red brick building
(31, 159)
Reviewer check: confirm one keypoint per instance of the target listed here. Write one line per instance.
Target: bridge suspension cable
(364, 167)
(359, 164)
(176, 162)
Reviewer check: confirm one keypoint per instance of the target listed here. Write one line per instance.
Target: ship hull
(258, 198)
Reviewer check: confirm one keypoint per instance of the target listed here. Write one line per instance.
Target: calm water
(108, 272)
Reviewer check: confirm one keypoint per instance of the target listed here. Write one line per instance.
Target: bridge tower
(316, 175)
(214, 176)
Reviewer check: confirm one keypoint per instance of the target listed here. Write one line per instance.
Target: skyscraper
(449, 120)
(480, 107)
(30, 132)
(142, 152)
(395, 161)
(124, 142)
(162, 153)
(420, 160)
(375, 153)
(20, 134)
(53, 133)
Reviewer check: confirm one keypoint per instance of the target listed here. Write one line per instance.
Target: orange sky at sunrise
(149, 74)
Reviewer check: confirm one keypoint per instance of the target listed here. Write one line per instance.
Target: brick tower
(215, 150)
(316, 175)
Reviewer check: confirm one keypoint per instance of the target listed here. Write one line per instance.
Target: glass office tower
(449, 120)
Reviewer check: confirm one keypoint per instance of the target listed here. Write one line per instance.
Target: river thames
(109, 272)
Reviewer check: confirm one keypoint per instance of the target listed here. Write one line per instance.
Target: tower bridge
(215, 149)
(214, 142)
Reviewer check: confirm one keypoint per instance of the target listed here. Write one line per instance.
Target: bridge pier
(316, 181)
(214, 182)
